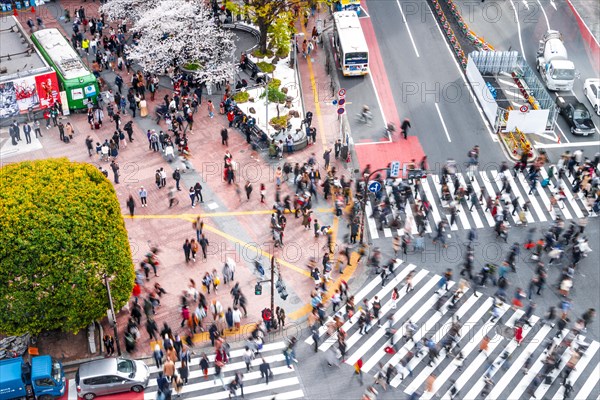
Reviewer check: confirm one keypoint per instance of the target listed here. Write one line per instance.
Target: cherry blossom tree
(183, 33)
(125, 10)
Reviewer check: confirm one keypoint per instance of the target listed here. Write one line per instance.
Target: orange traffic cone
(32, 9)
(15, 13)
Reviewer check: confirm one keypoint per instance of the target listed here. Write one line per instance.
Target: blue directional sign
(374, 187)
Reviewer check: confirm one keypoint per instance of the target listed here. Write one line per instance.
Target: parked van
(111, 375)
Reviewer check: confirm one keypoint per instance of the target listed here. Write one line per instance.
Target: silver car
(111, 375)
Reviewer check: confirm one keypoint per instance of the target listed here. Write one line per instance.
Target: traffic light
(258, 289)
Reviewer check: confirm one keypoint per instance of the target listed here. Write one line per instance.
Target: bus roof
(350, 32)
(64, 57)
(17, 51)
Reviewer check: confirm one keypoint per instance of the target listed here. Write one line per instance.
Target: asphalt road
(519, 25)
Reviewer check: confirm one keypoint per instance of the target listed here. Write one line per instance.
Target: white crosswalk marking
(580, 367)
(283, 385)
(473, 314)
(539, 209)
(474, 214)
(406, 306)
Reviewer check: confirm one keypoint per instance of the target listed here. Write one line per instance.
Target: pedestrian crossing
(283, 385)
(469, 216)
(502, 361)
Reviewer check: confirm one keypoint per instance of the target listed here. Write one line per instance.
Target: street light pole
(112, 310)
(364, 203)
(272, 284)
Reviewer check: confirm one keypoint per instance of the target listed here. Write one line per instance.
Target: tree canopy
(178, 33)
(61, 231)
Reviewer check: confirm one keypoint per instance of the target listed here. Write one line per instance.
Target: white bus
(350, 44)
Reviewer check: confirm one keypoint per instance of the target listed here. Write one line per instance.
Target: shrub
(279, 122)
(61, 232)
(259, 54)
(241, 97)
(275, 83)
(275, 95)
(191, 66)
(265, 67)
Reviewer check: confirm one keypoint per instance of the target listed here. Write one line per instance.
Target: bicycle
(365, 116)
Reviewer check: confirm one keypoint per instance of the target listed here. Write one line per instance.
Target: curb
(593, 47)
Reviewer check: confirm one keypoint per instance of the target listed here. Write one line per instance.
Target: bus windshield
(357, 58)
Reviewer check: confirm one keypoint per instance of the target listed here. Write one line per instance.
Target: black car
(577, 116)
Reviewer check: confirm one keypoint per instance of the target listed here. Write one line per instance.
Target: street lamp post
(114, 316)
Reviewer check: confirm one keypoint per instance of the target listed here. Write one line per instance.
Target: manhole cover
(505, 331)
(242, 151)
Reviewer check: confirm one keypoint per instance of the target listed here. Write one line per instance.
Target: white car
(591, 89)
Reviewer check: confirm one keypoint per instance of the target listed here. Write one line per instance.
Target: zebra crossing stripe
(431, 198)
(428, 325)
(275, 384)
(497, 179)
(521, 200)
(350, 323)
(573, 200)
(580, 367)
(564, 209)
(543, 388)
(410, 303)
(462, 215)
(474, 214)
(438, 189)
(371, 221)
(416, 316)
(507, 378)
(356, 336)
(477, 387)
(295, 394)
(358, 297)
(464, 331)
(488, 215)
(532, 199)
(521, 387)
(590, 384)
(468, 348)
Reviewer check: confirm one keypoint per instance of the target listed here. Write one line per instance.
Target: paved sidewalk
(235, 228)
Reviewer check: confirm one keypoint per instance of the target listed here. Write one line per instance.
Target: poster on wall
(47, 88)
(77, 94)
(90, 91)
(8, 100)
(27, 95)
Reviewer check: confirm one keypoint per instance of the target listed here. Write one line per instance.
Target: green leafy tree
(61, 231)
(266, 13)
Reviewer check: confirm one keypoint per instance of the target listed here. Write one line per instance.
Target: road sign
(335, 102)
(341, 110)
(342, 101)
(342, 92)
(395, 169)
(374, 187)
(524, 108)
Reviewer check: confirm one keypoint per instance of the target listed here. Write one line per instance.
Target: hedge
(61, 231)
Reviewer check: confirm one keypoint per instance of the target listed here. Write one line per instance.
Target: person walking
(265, 371)
(192, 194)
(225, 136)
(211, 109)
(248, 189)
(131, 205)
(203, 242)
(187, 249)
(177, 178)
(27, 132)
(404, 127)
(109, 345)
(115, 168)
(143, 196)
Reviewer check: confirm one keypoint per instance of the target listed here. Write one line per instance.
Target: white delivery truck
(557, 71)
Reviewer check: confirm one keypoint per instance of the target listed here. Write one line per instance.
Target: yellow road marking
(243, 333)
(215, 214)
(313, 85)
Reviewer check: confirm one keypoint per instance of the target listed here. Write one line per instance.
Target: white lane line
(408, 29)
(486, 123)
(498, 181)
(553, 190)
(474, 214)
(488, 215)
(544, 12)
(553, 5)
(378, 100)
(525, 4)
(438, 189)
(442, 120)
(519, 29)
(296, 394)
(462, 215)
(561, 145)
(521, 200)
(532, 199)
(563, 134)
(275, 384)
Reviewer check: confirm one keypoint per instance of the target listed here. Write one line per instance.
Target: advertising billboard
(8, 100)
(27, 94)
(47, 88)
